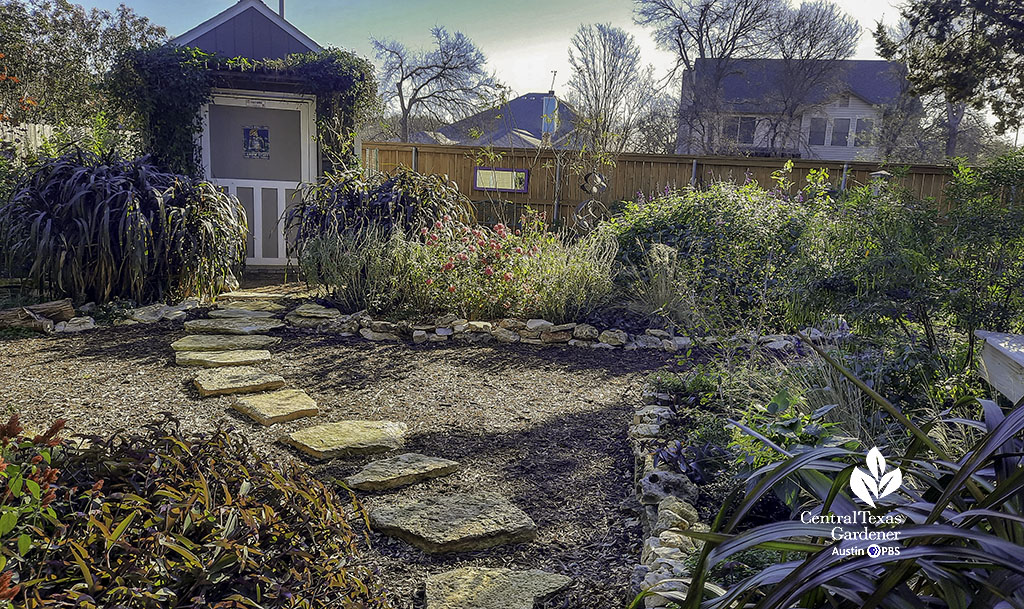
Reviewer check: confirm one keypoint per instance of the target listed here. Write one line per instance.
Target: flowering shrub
(494, 272)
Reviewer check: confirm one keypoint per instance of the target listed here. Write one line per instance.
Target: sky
(523, 40)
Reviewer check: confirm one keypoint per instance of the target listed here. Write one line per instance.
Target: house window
(739, 129)
(864, 129)
(841, 132)
(746, 130)
(817, 136)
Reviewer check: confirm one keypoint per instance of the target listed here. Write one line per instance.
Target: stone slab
(236, 379)
(253, 295)
(223, 342)
(481, 588)
(216, 359)
(345, 438)
(457, 522)
(232, 326)
(278, 406)
(253, 305)
(239, 314)
(402, 470)
(314, 310)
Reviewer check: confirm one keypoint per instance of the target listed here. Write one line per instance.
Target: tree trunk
(403, 126)
(954, 116)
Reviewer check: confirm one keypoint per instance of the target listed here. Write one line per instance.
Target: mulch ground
(544, 427)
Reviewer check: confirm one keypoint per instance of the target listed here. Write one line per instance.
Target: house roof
(515, 124)
(750, 81)
(235, 11)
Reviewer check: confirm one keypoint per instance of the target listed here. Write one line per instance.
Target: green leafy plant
(955, 523)
(163, 89)
(95, 227)
(155, 519)
(710, 261)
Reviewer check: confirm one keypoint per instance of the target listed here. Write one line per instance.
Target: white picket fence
(27, 137)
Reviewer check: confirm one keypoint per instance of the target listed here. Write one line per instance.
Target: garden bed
(546, 427)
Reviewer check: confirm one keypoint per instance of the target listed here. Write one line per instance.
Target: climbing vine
(165, 88)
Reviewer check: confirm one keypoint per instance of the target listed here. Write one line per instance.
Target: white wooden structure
(1002, 363)
(267, 191)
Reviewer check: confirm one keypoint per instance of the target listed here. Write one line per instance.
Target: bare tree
(445, 83)
(713, 33)
(610, 88)
(811, 41)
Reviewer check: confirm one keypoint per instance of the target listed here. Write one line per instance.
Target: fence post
(846, 167)
(693, 173)
(415, 158)
(558, 185)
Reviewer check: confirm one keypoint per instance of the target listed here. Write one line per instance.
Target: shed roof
(249, 28)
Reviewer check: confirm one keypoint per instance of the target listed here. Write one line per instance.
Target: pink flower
(488, 271)
(423, 230)
(438, 224)
(430, 282)
(519, 250)
(508, 276)
(447, 218)
(519, 232)
(451, 289)
(463, 257)
(472, 248)
(481, 243)
(499, 227)
(465, 239)
(449, 266)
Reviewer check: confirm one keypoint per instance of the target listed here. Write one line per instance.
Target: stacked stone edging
(666, 500)
(540, 332)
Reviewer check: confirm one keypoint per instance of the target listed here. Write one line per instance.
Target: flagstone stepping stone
(480, 588)
(314, 310)
(305, 322)
(276, 406)
(232, 326)
(456, 522)
(402, 470)
(236, 379)
(224, 342)
(215, 359)
(253, 305)
(252, 295)
(239, 313)
(345, 438)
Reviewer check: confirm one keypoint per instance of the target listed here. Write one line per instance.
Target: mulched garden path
(544, 427)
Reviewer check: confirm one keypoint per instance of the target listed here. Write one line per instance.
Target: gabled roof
(750, 82)
(237, 9)
(515, 124)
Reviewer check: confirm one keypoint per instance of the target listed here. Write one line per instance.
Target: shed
(258, 140)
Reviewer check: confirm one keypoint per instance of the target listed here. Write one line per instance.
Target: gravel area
(544, 427)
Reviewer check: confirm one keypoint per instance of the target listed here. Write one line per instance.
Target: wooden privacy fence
(555, 189)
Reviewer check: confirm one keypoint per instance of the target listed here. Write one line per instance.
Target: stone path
(232, 343)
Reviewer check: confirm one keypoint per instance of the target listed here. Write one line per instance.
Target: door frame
(309, 162)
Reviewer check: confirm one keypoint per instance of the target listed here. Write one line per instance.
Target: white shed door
(259, 147)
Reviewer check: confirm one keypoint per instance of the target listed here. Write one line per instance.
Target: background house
(534, 120)
(780, 108)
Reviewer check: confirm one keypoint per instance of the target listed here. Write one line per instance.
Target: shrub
(345, 202)
(157, 520)
(490, 273)
(95, 227)
(890, 263)
(710, 261)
